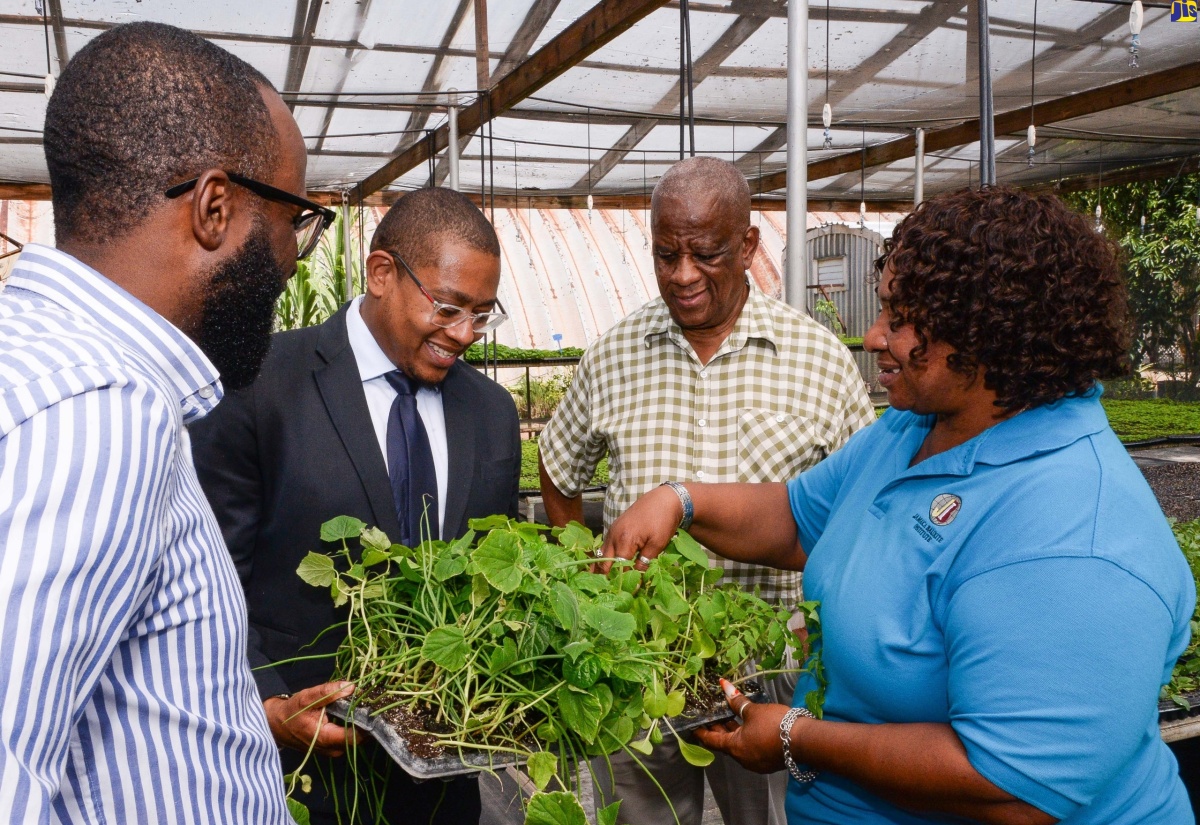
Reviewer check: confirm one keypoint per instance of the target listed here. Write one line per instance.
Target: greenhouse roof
(584, 97)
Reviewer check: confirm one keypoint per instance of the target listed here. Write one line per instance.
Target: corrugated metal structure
(575, 272)
(842, 262)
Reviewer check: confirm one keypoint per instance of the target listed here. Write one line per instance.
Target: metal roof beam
(304, 26)
(60, 33)
(730, 40)
(532, 26)
(1112, 96)
(598, 26)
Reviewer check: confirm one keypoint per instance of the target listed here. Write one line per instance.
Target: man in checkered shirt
(716, 382)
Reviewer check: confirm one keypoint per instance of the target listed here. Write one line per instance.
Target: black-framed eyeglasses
(309, 223)
(448, 315)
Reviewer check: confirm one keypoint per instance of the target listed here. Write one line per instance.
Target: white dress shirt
(373, 365)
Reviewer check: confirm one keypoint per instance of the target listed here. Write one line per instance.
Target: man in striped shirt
(125, 695)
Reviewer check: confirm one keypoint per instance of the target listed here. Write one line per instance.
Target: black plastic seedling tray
(455, 763)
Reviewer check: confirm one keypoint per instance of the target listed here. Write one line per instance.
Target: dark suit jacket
(297, 448)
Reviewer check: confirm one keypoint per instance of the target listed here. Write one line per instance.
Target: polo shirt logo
(944, 508)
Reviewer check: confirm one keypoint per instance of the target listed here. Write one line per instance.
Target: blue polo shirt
(1023, 587)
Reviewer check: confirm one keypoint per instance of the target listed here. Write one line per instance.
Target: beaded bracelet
(785, 734)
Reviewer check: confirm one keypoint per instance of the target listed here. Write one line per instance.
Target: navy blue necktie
(410, 465)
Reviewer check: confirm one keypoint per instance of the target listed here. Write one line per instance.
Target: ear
(749, 246)
(212, 208)
(381, 271)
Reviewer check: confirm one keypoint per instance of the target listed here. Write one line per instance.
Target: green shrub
(1152, 418)
(1186, 677)
(544, 393)
(529, 467)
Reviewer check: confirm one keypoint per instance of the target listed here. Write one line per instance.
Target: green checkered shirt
(778, 396)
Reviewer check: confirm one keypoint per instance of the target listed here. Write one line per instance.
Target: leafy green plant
(827, 309)
(478, 353)
(319, 286)
(504, 642)
(1186, 676)
(540, 397)
(529, 467)
(1152, 418)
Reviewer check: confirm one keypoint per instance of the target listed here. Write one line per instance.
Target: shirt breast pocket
(775, 446)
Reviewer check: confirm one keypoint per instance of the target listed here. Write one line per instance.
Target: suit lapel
(460, 446)
(341, 389)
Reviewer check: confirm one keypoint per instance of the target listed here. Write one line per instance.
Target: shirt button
(704, 373)
(207, 392)
(779, 418)
(703, 422)
(699, 474)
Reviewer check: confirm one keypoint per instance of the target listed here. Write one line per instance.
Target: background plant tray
(451, 764)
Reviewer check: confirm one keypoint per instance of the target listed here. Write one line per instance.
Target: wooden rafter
(1124, 93)
(304, 26)
(532, 26)
(738, 33)
(597, 27)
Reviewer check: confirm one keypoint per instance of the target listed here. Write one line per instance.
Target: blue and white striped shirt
(125, 695)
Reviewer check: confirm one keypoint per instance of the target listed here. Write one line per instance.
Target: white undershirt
(373, 364)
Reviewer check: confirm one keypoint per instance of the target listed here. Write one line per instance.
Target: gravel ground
(1177, 487)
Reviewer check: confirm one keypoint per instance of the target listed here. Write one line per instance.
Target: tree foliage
(1158, 228)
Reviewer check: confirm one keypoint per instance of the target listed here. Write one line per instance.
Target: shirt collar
(370, 357)
(1040, 430)
(82, 291)
(372, 361)
(754, 322)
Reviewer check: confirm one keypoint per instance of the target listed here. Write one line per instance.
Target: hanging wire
(862, 185)
(516, 189)
(432, 159)
(827, 109)
(687, 26)
(646, 196)
(491, 166)
(46, 29)
(589, 163)
(1031, 134)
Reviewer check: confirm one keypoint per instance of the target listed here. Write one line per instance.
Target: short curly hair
(141, 107)
(1019, 285)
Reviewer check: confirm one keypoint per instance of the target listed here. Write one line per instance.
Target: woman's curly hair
(1019, 285)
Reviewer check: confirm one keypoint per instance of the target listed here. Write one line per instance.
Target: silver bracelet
(685, 498)
(785, 734)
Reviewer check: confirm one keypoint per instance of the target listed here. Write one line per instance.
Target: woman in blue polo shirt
(1001, 596)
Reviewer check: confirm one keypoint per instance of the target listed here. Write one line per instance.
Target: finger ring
(598, 553)
(742, 707)
(644, 560)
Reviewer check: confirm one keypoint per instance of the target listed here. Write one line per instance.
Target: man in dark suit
(325, 431)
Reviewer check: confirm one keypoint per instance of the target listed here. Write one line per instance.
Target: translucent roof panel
(368, 80)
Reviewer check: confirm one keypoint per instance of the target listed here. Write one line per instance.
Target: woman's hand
(755, 742)
(642, 531)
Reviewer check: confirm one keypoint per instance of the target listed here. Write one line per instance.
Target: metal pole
(795, 281)
(987, 119)
(348, 273)
(919, 180)
(452, 147)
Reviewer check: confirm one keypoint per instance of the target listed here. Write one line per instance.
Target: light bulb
(50, 81)
(589, 205)
(827, 119)
(1099, 223)
(1031, 139)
